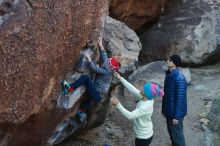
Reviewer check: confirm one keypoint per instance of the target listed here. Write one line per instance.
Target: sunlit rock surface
(39, 43)
(123, 43)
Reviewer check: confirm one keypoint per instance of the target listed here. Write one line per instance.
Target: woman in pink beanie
(141, 115)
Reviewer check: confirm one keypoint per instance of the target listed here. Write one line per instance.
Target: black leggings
(143, 142)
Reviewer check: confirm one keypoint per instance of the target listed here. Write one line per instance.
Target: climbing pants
(90, 87)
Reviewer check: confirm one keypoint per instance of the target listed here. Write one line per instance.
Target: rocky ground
(203, 91)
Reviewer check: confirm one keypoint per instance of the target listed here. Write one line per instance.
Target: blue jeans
(176, 132)
(90, 87)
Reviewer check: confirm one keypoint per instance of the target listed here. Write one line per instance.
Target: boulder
(171, 5)
(152, 72)
(192, 31)
(187, 74)
(123, 43)
(40, 41)
(214, 115)
(136, 14)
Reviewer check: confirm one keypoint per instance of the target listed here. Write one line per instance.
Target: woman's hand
(114, 101)
(117, 75)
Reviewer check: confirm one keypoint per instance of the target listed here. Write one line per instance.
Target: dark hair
(176, 60)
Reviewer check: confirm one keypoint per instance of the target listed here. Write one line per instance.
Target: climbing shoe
(82, 116)
(66, 87)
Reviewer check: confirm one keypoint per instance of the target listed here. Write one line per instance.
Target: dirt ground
(117, 131)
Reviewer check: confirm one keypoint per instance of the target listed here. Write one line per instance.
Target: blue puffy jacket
(174, 104)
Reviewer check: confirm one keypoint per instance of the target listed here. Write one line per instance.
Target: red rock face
(136, 13)
(39, 44)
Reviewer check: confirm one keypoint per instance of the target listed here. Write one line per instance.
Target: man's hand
(162, 113)
(114, 101)
(175, 121)
(117, 75)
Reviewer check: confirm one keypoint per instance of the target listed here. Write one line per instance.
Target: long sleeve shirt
(141, 115)
(104, 74)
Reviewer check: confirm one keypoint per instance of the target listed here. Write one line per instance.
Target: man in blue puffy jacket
(174, 104)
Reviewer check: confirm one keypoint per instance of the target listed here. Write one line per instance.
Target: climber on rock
(98, 88)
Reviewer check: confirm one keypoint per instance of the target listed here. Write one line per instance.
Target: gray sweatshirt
(104, 74)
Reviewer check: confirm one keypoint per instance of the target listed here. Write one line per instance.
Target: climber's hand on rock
(100, 44)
